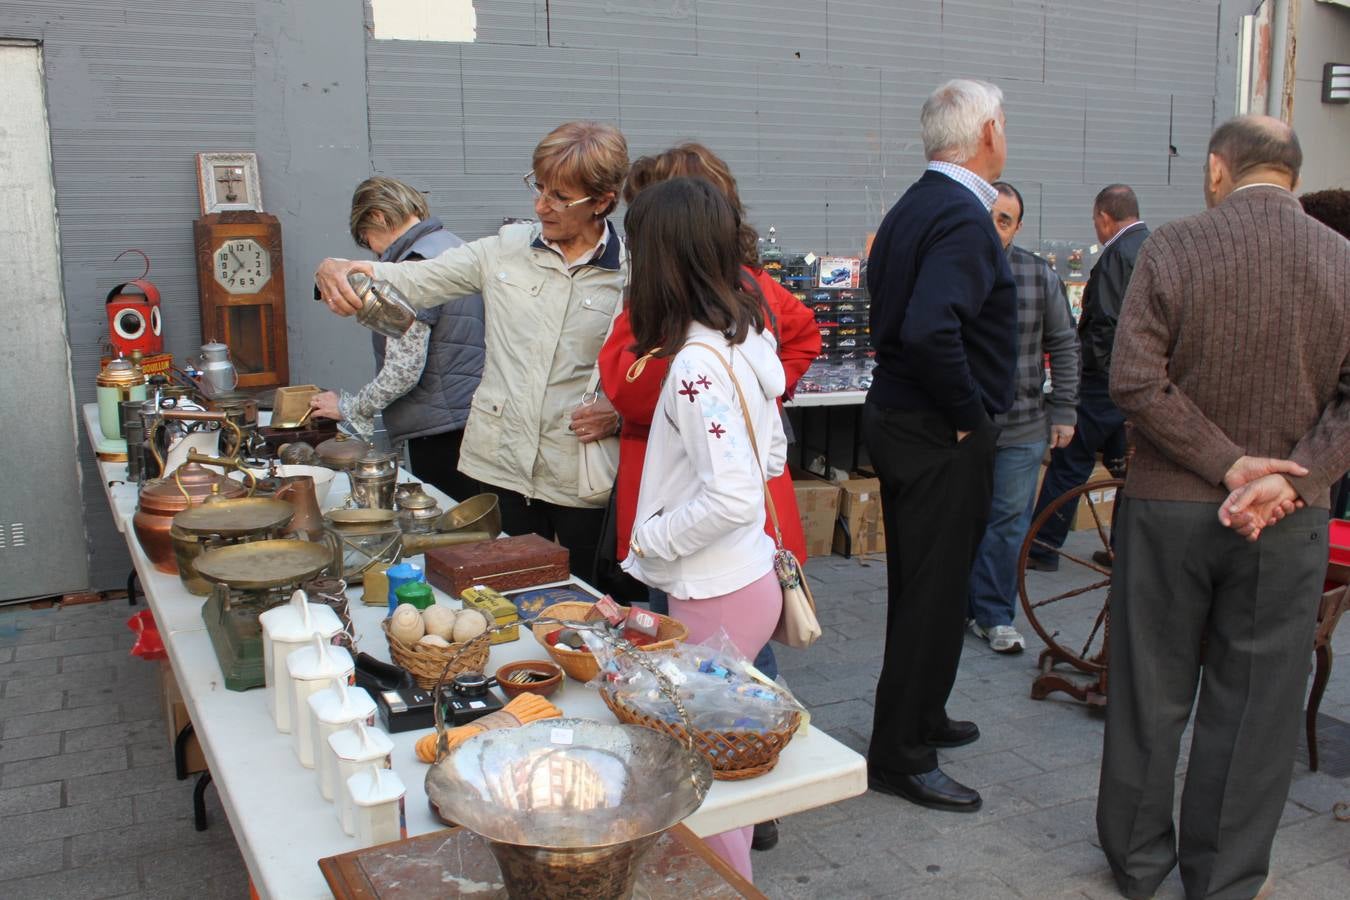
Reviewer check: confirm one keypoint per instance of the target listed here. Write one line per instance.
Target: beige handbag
(597, 461)
(797, 624)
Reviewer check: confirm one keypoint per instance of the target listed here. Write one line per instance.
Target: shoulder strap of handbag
(750, 430)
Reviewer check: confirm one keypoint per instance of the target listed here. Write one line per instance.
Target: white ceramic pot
(354, 748)
(331, 710)
(286, 629)
(311, 668)
(377, 806)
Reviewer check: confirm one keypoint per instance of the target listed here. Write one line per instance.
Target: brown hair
(684, 267)
(390, 200)
(1255, 142)
(1331, 208)
(591, 155)
(693, 160)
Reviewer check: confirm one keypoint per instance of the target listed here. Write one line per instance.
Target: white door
(42, 537)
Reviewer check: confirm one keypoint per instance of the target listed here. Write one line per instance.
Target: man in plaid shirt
(1035, 420)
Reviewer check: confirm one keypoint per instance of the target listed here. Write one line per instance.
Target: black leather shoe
(766, 836)
(1103, 558)
(931, 789)
(956, 734)
(1043, 565)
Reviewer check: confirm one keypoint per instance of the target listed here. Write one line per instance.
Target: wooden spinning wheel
(1074, 622)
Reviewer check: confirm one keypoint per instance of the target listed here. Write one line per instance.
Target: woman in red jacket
(633, 388)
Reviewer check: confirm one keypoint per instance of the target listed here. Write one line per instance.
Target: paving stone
(990, 768)
(1060, 786)
(64, 822)
(825, 692)
(108, 879)
(11, 707)
(188, 865)
(68, 631)
(30, 799)
(61, 720)
(856, 714)
(18, 687)
(131, 840)
(116, 658)
(986, 848)
(963, 886)
(115, 734)
(108, 695)
(14, 634)
(1318, 792)
(1048, 829)
(153, 753)
(29, 668)
(1308, 843)
(123, 783)
(67, 765)
(70, 648)
(38, 745)
(999, 803)
(6, 654)
(1328, 881)
(31, 858)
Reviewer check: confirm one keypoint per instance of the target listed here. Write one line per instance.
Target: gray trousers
(1181, 578)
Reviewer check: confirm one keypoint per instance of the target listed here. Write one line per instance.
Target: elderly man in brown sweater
(1232, 360)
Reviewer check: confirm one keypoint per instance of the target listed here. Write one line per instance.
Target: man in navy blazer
(944, 323)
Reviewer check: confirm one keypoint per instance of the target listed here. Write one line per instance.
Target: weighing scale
(249, 579)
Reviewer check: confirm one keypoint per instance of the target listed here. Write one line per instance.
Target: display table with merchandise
(282, 823)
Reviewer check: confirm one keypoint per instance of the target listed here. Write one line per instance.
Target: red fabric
(798, 345)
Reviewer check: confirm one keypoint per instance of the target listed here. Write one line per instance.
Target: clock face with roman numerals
(242, 266)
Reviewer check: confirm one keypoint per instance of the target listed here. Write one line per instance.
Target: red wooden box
(506, 564)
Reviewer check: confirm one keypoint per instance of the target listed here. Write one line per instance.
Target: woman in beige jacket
(550, 291)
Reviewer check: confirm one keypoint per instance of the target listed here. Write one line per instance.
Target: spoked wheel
(1073, 616)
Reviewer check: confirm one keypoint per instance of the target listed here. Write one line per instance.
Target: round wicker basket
(582, 665)
(427, 663)
(735, 755)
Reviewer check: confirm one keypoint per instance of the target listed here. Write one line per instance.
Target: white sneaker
(1001, 638)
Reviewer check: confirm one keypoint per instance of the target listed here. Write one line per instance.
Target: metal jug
(298, 490)
(218, 372)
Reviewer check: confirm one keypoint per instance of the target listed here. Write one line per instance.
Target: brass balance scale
(247, 580)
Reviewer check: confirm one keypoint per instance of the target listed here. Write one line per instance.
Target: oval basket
(427, 663)
(735, 755)
(582, 666)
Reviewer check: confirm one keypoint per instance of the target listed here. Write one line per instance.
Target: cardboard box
(176, 719)
(818, 506)
(1103, 500)
(860, 528)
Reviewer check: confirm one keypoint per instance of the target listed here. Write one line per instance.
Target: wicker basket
(735, 755)
(583, 666)
(427, 663)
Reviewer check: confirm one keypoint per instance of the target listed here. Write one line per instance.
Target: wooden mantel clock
(242, 286)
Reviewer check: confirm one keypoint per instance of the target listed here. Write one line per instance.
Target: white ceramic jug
(286, 629)
(354, 748)
(331, 710)
(311, 668)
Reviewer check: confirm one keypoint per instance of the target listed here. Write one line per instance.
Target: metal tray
(232, 518)
(264, 564)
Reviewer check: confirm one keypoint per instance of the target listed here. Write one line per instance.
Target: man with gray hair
(1232, 360)
(944, 322)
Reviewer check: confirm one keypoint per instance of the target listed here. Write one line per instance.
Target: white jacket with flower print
(699, 527)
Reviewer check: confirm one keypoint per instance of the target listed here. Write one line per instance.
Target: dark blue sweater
(944, 306)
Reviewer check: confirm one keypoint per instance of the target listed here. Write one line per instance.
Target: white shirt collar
(985, 192)
(1117, 235)
(1278, 187)
(596, 252)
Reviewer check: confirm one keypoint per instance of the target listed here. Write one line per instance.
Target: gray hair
(953, 118)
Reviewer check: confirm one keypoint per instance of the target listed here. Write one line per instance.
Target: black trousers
(435, 460)
(1181, 578)
(935, 496)
(576, 528)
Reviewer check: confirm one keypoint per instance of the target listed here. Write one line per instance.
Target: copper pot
(164, 498)
(342, 452)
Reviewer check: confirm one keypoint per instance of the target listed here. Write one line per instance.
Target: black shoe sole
(961, 743)
(1037, 565)
(882, 788)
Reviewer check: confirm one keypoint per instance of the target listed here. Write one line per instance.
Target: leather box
(506, 564)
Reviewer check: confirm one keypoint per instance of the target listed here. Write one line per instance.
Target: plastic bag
(719, 687)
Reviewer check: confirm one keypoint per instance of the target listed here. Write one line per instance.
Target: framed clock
(241, 283)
